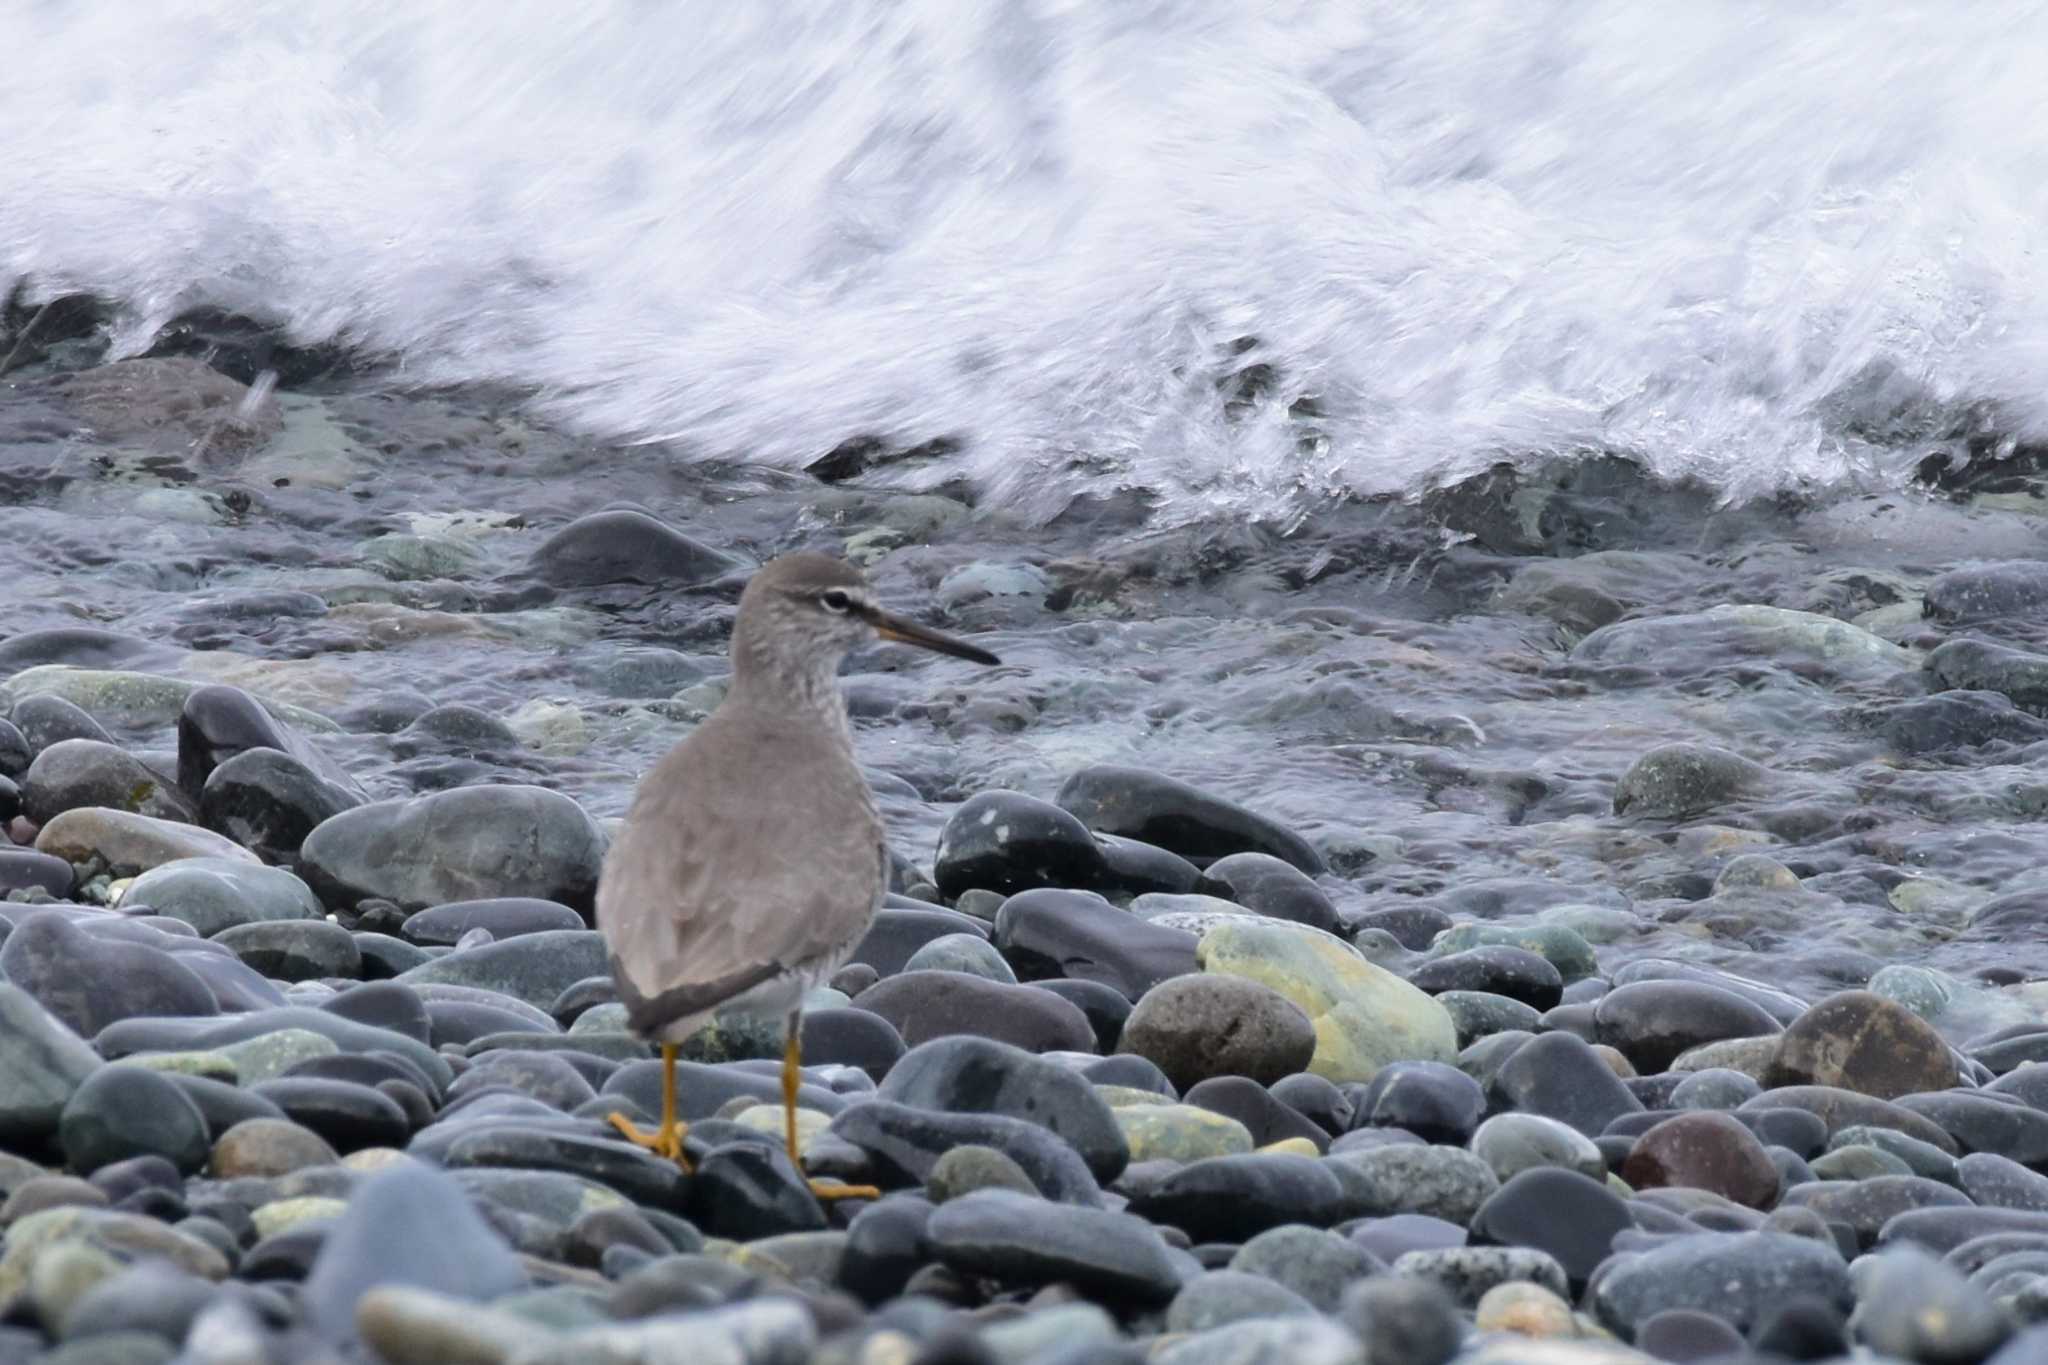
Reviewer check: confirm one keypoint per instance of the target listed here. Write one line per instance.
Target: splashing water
(1762, 246)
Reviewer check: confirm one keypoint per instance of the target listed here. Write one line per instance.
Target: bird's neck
(796, 682)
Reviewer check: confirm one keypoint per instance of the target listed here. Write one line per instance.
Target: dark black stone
(217, 722)
(1234, 1198)
(268, 802)
(122, 1112)
(885, 1244)
(1497, 968)
(1015, 1239)
(349, 1116)
(1978, 1123)
(1559, 1076)
(1562, 1212)
(749, 1190)
(1007, 842)
(1803, 1328)
(1134, 868)
(1986, 591)
(457, 731)
(968, 1075)
(1683, 1335)
(1105, 1008)
(464, 1021)
(1652, 1022)
(624, 546)
(1436, 1102)
(385, 1005)
(923, 1005)
(1056, 933)
(1414, 927)
(1955, 720)
(580, 996)
(1271, 886)
(1161, 810)
(1986, 666)
(610, 1161)
(223, 1105)
(1799, 1131)
(1316, 1100)
(906, 1142)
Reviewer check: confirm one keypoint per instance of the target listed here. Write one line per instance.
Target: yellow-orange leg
(666, 1140)
(792, 1076)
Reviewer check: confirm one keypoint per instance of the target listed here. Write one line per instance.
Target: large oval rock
(128, 1111)
(85, 772)
(1981, 665)
(1737, 1276)
(534, 967)
(1704, 1151)
(1202, 1025)
(623, 546)
(1676, 780)
(1271, 886)
(217, 722)
(130, 844)
(42, 1064)
(471, 843)
(268, 801)
(1018, 1239)
(1058, 933)
(212, 894)
(927, 1004)
(1861, 1041)
(89, 981)
(1161, 810)
(1007, 842)
(968, 1075)
(1364, 1016)
(1652, 1022)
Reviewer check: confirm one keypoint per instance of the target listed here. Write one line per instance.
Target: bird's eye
(832, 599)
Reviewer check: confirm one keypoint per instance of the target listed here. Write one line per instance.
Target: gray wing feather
(728, 874)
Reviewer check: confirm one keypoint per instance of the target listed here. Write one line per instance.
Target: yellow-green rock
(1364, 1016)
(1179, 1132)
(279, 1214)
(216, 1066)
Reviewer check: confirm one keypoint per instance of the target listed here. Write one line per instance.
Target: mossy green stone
(1179, 1132)
(280, 1214)
(268, 1054)
(216, 1066)
(1364, 1016)
(1563, 948)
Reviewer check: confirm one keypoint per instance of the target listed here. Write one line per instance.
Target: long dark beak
(893, 627)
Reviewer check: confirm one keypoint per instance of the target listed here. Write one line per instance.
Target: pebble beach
(1565, 919)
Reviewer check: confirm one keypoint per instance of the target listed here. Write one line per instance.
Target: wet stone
(1441, 1182)
(1018, 1239)
(1496, 969)
(1653, 1022)
(505, 917)
(295, 950)
(1271, 886)
(930, 1004)
(1106, 1009)
(1561, 1077)
(961, 1075)
(130, 844)
(1005, 841)
(1226, 1296)
(1437, 1103)
(1738, 1276)
(1679, 780)
(348, 1115)
(1863, 1042)
(1198, 1026)
(898, 931)
(268, 801)
(42, 1065)
(1251, 1104)
(1234, 1198)
(23, 868)
(74, 773)
(533, 969)
(469, 843)
(89, 981)
(747, 1190)
(1363, 1015)
(120, 1112)
(621, 545)
(970, 953)
(1467, 1273)
(1512, 1143)
(1139, 804)
(1565, 1213)
(1055, 933)
(906, 1143)
(43, 719)
(213, 894)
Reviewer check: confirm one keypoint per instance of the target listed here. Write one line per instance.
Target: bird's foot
(666, 1141)
(828, 1190)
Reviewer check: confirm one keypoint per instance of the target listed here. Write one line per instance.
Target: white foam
(1736, 239)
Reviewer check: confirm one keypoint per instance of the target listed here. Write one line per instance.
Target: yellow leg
(792, 1076)
(666, 1141)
